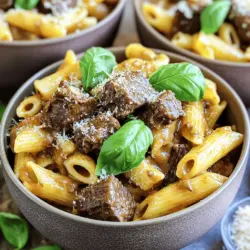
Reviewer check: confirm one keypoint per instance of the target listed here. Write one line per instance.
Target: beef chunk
(163, 110)
(90, 134)
(240, 15)
(124, 93)
(177, 153)
(186, 25)
(56, 6)
(107, 200)
(224, 167)
(68, 105)
(6, 4)
(242, 25)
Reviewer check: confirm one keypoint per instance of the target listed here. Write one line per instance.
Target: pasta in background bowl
(170, 226)
(220, 45)
(30, 40)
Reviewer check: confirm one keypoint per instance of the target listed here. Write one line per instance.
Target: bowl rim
(231, 209)
(43, 42)
(187, 53)
(116, 50)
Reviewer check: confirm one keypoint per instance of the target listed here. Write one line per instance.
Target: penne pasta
(159, 18)
(214, 112)
(50, 186)
(29, 106)
(136, 50)
(162, 145)
(81, 168)
(32, 140)
(193, 126)
(5, 33)
(183, 40)
(217, 145)
(229, 35)
(211, 94)
(49, 84)
(69, 59)
(177, 196)
(51, 28)
(146, 175)
(26, 20)
(21, 160)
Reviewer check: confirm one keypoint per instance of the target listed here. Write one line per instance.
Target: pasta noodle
(50, 186)
(215, 146)
(158, 18)
(146, 175)
(31, 141)
(214, 112)
(82, 168)
(177, 196)
(29, 106)
(193, 125)
(162, 145)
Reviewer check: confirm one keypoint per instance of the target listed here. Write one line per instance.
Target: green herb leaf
(96, 65)
(125, 149)
(26, 4)
(15, 230)
(213, 16)
(2, 108)
(184, 79)
(54, 247)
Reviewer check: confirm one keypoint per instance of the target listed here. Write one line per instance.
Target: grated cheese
(241, 228)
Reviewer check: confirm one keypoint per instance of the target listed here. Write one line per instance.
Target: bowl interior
(235, 114)
(227, 221)
(169, 45)
(118, 8)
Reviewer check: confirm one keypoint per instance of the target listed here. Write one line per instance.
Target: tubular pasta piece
(32, 140)
(146, 175)
(193, 124)
(211, 94)
(50, 186)
(214, 112)
(217, 145)
(162, 145)
(29, 106)
(178, 196)
(82, 168)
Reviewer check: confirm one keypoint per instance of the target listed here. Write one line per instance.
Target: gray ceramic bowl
(21, 59)
(237, 74)
(169, 232)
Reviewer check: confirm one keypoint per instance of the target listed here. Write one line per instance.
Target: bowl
(21, 59)
(236, 74)
(168, 232)
(226, 223)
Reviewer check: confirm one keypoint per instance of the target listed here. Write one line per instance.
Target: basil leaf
(2, 108)
(96, 65)
(26, 4)
(125, 149)
(55, 247)
(213, 16)
(15, 230)
(184, 79)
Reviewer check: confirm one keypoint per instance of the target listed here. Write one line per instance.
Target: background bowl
(226, 223)
(21, 59)
(169, 232)
(237, 74)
